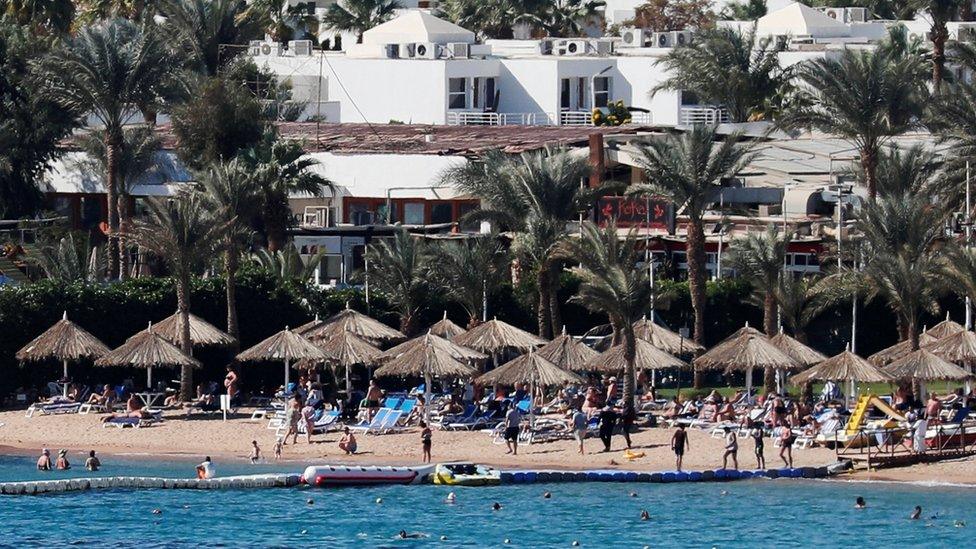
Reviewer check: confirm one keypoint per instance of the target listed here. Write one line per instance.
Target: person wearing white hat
(44, 462)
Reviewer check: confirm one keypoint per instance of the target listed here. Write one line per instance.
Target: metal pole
(854, 313)
(721, 236)
(484, 300)
(969, 234)
(65, 377)
(840, 222)
(366, 268)
(651, 268)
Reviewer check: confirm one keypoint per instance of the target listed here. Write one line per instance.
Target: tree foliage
(671, 15)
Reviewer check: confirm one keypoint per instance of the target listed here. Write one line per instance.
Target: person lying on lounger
(106, 398)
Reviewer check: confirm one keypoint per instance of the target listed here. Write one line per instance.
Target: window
(601, 91)
(441, 213)
(490, 94)
(679, 257)
(359, 214)
(463, 209)
(800, 260)
(330, 268)
(413, 213)
(457, 93)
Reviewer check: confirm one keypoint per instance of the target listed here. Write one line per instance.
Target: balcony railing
(565, 118)
(575, 118)
(704, 114)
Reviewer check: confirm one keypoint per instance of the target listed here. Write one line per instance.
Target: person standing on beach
(44, 462)
(255, 452)
(627, 418)
(757, 436)
(513, 419)
(308, 417)
(92, 463)
(679, 443)
(425, 440)
(608, 421)
(580, 423)
(374, 397)
(292, 414)
(731, 449)
(230, 383)
(786, 444)
(277, 447)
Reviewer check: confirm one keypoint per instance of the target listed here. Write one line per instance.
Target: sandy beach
(190, 439)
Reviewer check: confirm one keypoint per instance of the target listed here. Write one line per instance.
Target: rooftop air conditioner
(601, 47)
(392, 51)
(836, 13)
(545, 47)
(458, 50)
(300, 47)
(272, 49)
(663, 40)
(571, 47)
(635, 38)
(966, 33)
(254, 47)
(425, 50)
(406, 51)
(856, 15)
(682, 38)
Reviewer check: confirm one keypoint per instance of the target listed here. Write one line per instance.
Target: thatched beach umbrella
(345, 350)
(665, 339)
(202, 333)
(494, 337)
(646, 357)
(64, 341)
(802, 354)
(746, 350)
(888, 355)
(308, 326)
(532, 369)
(922, 365)
(428, 359)
(446, 328)
(286, 346)
(459, 352)
(945, 328)
(349, 320)
(567, 353)
(958, 348)
(845, 366)
(147, 349)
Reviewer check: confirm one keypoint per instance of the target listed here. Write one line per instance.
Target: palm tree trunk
(769, 380)
(630, 353)
(183, 308)
(769, 314)
(913, 334)
(125, 223)
(695, 249)
(276, 236)
(406, 323)
(231, 265)
(543, 314)
(557, 319)
(939, 36)
(113, 143)
(869, 164)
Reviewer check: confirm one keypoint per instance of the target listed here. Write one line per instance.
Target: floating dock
(107, 483)
(615, 475)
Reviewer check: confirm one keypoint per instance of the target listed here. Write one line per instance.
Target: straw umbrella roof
(801, 353)
(202, 333)
(495, 336)
(844, 366)
(926, 366)
(308, 326)
(647, 356)
(898, 350)
(746, 348)
(349, 320)
(147, 349)
(446, 328)
(945, 328)
(426, 358)
(958, 348)
(665, 339)
(529, 368)
(567, 353)
(347, 349)
(284, 345)
(65, 340)
(457, 351)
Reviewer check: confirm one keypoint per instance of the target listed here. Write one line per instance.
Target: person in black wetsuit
(608, 421)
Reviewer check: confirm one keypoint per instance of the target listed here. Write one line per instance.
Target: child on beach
(757, 436)
(92, 463)
(277, 447)
(255, 452)
(786, 443)
(679, 443)
(425, 438)
(731, 449)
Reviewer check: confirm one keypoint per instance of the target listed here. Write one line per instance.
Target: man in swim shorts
(679, 443)
(512, 420)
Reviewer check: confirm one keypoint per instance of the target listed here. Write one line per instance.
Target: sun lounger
(53, 408)
(134, 422)
(388, 425)
(322, 425)
(453, 422)
(376, 423)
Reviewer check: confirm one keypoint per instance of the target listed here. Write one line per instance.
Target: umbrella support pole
(65, 364)
(149, 379)
(287, 367)
(427, 393)
(749, 382)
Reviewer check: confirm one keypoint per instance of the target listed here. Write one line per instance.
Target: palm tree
(905, 172)
(279, 18)
(358, 16)
(685, 168)
(110, 70)
(611, 283)
(939, 13)
(493, 19)
(47, 16)
(280, 168)
(800, 301)
(67, 259)
(534, 195)
(469, 272)
(725, 67)
(92, 11)
(568, 18)
(760, 258)
(286, 265)
(397, 270)
(209, 30)
(137, 158)
(184, 234)
(233, 194)
(864, 97)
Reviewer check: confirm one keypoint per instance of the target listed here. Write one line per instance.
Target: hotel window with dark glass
(440, 213)
(601, 91)
(457, 93)
(413, 213)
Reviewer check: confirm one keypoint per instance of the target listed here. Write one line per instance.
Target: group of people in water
(44, 462)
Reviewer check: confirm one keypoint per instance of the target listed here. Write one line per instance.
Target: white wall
(638, 76)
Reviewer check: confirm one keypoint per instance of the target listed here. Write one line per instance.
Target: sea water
(755, 513)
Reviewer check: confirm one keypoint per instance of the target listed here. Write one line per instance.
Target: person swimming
(411, 535)
(917, 513)
(859, 503)
(645, 515)
(451, 498)
(496, 506)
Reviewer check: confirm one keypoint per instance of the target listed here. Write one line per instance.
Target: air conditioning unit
(836, 13)
(601, 47)
(635, 38)
(682, 38)
(407, 51)
(922, 36)
(856, 15)
(425, 50)
(966, 33)
(781, 42)
(300, 47)
(545, 47)
(392, 51)
(254, 47)
(458, 50)
(571, 47)
(272, 49)
(663, 40)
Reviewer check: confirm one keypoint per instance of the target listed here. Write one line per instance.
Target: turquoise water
(785, 513)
